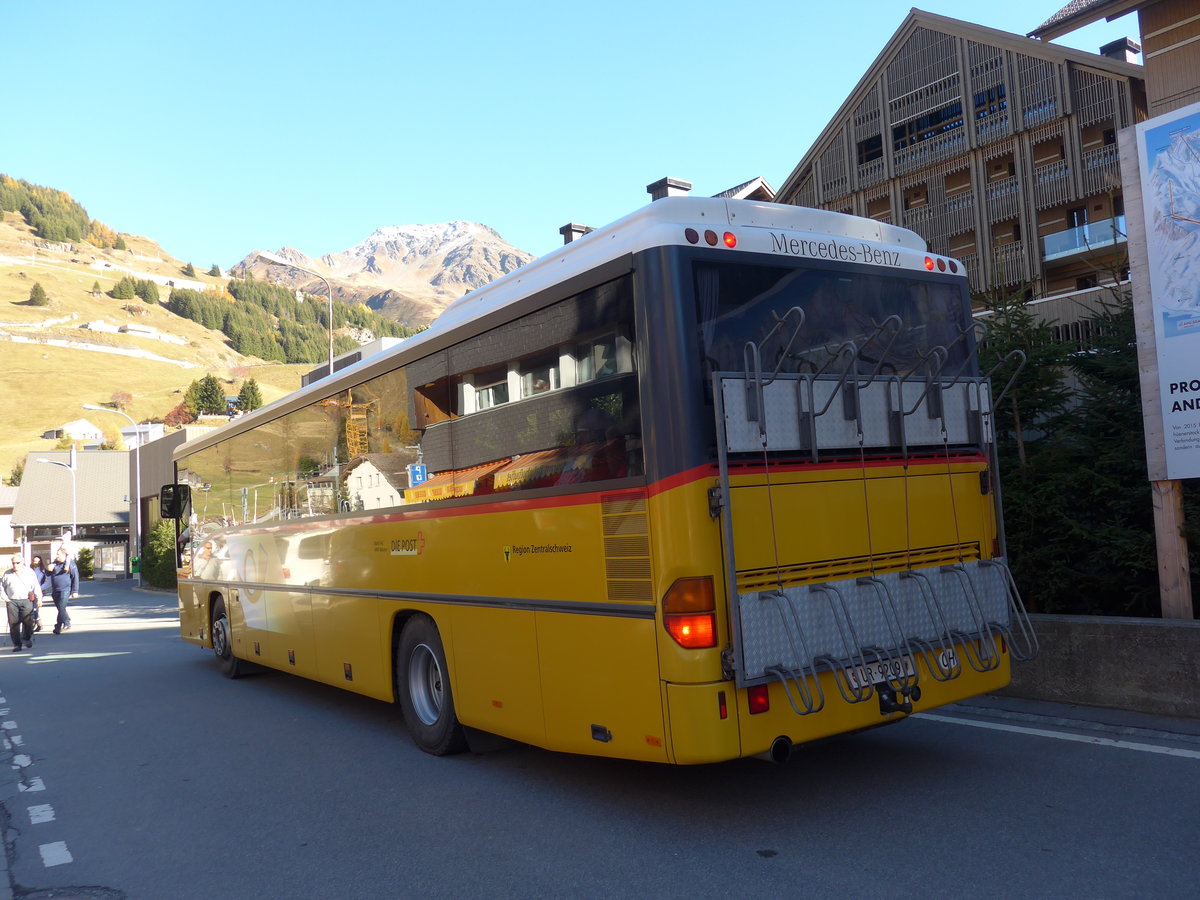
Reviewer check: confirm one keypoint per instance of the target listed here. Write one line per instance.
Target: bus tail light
(730, 239)
(758, 698)
(689, 613)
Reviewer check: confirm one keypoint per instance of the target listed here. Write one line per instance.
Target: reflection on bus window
(596, 359)
(892, 324)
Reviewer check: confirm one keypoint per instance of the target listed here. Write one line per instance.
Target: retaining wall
(1144, 665)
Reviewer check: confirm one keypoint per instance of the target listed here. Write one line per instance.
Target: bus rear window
(890, 324)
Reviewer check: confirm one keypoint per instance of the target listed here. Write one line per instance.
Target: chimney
(573, 231)
(1125, 50)
(668, 187)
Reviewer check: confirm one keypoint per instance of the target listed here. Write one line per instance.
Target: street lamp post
(276, 260)
(70, 467)
(135, 539)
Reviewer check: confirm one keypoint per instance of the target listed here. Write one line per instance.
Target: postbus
(710, 482)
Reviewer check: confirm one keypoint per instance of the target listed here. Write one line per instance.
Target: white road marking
(55, 854)
(21, 760)
(42, 813)
(1066, 736)
(8, 725)
(33, 784)
(18, 741)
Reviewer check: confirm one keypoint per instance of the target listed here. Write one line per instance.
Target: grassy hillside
(51, 382)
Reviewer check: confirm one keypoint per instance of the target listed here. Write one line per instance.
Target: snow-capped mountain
(408, 272)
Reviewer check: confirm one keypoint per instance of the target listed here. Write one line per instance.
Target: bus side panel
(352, 647)
(493, 655)
(601, 687)
(281, 624)
(193, 613)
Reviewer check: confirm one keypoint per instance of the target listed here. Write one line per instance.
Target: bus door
(834, 566)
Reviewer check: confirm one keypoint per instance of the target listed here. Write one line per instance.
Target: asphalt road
(137, 771)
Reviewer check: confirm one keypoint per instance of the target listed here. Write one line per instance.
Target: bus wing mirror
(173, 499)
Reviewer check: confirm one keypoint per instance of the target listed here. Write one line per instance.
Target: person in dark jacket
(64, 586)
(43, 577)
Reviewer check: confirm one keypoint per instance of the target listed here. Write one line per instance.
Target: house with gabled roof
(998, 149)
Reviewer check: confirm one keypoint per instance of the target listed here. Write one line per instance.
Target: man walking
(64, 586)
(21, 592)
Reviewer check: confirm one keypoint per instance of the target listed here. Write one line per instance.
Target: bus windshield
(872, 323)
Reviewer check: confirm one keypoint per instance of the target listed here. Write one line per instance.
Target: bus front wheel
(222, 641)
(423, 686)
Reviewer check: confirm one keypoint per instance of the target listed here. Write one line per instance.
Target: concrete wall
(1145, 665)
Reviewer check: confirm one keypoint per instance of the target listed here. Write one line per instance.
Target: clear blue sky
(235, 126)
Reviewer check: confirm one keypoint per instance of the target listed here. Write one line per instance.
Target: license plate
(879, 671)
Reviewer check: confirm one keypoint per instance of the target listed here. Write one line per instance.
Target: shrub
(158, 556)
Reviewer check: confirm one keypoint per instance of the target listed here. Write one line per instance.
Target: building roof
(1078, 13)
(101, 486)
(917, 18)
(8, 496)
(757, 188)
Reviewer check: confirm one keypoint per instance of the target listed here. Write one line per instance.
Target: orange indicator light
(929, 263)
(689, 613)
(730, 239)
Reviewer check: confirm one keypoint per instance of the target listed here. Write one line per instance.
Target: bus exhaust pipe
(781, 750)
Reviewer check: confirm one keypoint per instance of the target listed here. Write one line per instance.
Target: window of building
(871, 149)
(596, 359)
(538, 377)
(491, 388)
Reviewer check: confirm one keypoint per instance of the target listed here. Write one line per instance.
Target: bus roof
(772, 228)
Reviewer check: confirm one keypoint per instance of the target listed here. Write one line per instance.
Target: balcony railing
(1100, 170)
(1092, 236)
(1052, 184)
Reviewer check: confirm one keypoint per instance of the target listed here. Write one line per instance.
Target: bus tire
(222, 641)
(423, 687)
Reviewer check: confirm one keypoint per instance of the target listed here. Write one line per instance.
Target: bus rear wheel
(423, 686)
(222, 641)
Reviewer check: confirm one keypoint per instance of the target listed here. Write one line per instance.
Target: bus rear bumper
(712, 722)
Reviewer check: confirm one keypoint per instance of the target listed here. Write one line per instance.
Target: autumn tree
(121, 400)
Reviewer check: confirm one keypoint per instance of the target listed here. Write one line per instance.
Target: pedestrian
(43, 577)
(21, 592)
(64, 586)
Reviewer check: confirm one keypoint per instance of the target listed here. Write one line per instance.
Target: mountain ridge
(409, 273)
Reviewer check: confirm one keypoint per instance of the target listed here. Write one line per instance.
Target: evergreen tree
(158, 558)
(191, 399)
(189, 270)
(37, 296)
(96, 292)
(249, 397)
(125, 289)
(215, 271)
(17, 473)
(119, 244)
(210, 396)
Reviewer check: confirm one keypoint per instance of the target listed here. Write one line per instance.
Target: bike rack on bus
(919, 613)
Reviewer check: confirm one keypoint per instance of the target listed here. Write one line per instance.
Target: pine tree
(37, 296)
(189, 270)
(249, 397)
(119, 244)
(96, 292)
(215, 271)
(125, 289)
(210, 396)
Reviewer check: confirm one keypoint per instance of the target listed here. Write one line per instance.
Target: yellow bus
(710, 482)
